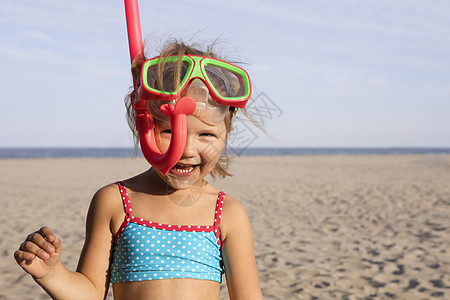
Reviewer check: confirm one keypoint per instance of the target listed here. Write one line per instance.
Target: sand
(325, 227)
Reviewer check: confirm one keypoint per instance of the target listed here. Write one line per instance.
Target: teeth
(186, 168)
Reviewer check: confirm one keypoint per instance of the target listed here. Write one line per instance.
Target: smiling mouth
(183, 170)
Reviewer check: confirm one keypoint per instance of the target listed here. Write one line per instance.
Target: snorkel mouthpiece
(177, 113)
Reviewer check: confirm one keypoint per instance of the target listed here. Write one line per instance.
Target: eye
(207, 134)
(166, 131)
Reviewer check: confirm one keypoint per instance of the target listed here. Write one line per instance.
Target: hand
(39, 253)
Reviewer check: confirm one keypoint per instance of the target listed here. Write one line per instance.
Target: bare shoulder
(107, 204)
(234, 216)
(108, 196)
(232, 206)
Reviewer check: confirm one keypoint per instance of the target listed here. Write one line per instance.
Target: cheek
(212, 152)
(162, 141)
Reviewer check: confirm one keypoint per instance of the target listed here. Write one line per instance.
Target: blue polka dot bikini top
(146, 250)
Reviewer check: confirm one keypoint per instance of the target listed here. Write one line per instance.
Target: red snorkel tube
(144, 120)
(134, 29)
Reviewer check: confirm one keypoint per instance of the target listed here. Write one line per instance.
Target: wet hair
(179, 48)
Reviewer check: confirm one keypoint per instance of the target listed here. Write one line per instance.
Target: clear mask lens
(226, 82)
(171, 73)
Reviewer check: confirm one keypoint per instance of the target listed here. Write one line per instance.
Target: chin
(182, 182)
(185, 179)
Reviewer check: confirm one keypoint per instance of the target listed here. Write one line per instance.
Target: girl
(161, 234)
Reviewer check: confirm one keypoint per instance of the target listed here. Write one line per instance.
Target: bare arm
(238, 253)
(39, 256)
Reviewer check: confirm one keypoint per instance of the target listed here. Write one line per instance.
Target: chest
(190, 209)
(146, 253)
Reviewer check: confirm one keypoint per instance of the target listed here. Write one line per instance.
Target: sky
(325, 73)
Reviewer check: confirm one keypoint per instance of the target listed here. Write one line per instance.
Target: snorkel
(213, 83)
(144, 120)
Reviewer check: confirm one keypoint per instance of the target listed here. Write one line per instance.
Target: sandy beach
(325, 227)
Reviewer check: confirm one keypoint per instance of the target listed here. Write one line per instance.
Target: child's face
(203, 147)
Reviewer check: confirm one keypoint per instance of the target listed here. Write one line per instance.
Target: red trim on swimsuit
(130, 218)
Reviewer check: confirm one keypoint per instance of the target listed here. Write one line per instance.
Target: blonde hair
(179, 48)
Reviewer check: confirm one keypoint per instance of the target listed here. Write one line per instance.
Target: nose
(191, 149)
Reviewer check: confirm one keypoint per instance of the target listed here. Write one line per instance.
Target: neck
(181, 198)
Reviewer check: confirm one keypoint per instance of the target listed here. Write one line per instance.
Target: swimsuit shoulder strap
(127, 208)
(125, 199)
(218, 216)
